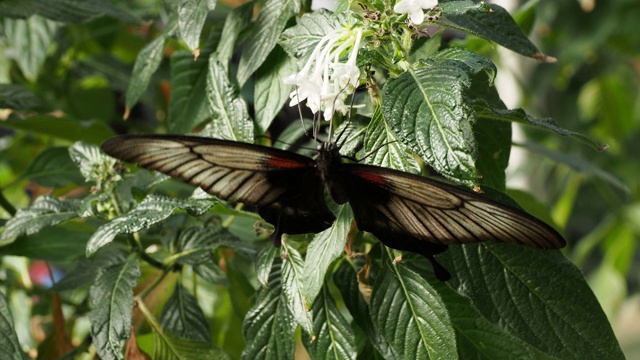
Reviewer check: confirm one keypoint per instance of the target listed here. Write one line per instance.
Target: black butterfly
(404, 211)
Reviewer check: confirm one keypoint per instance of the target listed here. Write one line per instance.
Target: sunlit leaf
(46, 211)
(322, 251)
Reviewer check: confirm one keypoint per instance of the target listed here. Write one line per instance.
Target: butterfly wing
(414, 213)
(284, 186)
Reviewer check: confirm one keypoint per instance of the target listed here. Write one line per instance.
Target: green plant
(204, 282)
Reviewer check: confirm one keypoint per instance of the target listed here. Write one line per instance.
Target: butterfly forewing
(285, 186)
(418, 208)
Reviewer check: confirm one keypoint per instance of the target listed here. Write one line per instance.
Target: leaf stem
(151, 287)
(6, 204)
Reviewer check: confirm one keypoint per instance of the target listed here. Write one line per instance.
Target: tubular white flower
(414, 9)
(324, 82)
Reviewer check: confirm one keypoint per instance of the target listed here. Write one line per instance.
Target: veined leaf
(167, 347)
(301, 39)
(17, 97)
(46, 211)
(271, 21)
(498, 278)
(346, 279)
(270, 92)
(146, 64)
(195, 244)
(497, 26)
(269, 325)
(9, 346)
(384, 147)
(293, 289)
(153, 209)
(191, 17)
(72, 11)
(91, 161)
(334, 336)
(427, 109)
(112, 305)
(53, 168)
(230, 114)
(31, 38)
(236, 21)
(322, 251)
(412, 316)
(187, 100)
(182, 316)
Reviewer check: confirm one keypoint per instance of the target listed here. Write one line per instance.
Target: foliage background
(593, 89)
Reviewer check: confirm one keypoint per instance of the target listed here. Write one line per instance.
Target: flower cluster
(324, 81)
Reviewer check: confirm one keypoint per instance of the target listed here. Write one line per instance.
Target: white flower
(325, 82)
(414, 9)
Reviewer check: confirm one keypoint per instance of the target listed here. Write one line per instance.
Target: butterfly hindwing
(285, 186)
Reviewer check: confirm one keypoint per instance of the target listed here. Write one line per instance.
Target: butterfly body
(404, 211)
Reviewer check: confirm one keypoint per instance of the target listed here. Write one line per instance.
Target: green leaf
(62, 127)
(17, 97)
(293, 289)
(53, 168)
(211, 273)
(147, 62)
(56, 244)
(538, 296)
(195, 244)
(301, 39)
(73, 11)
(265, 263)
(476, 64)
(270, 92)
(384, 148)
(477, 338)
(494, 149)
(93, 163)
(230, 114)
(520, 116)
(322, 251)
(497, 26)
(9, 346)
(268, 327)
(268, 27)
(236, 21)
(412, 316)
(45, 212)
(346, 280)
(111, 298)
(427, 109)
(334, 336)
(191, 17)
(187, 100)
(182, 316)
(86, 270)
(31, 39)
(152, 210)
(578, 164)
(167, 347)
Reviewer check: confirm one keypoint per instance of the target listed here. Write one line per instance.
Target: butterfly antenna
(304, 127)
(373, 151)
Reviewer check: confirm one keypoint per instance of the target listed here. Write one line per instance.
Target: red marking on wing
(372, 177)
(283, 163)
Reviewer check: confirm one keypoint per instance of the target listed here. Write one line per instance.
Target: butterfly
(404, 211)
